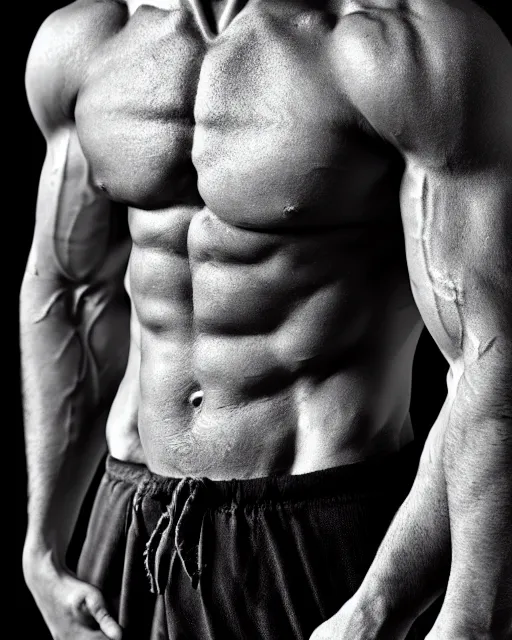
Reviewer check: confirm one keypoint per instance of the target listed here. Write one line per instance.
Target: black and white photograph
(264, 320)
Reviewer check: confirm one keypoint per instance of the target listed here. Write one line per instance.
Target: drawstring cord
(178, 531)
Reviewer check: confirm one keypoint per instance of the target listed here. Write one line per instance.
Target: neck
(214, 16)
(133, 5)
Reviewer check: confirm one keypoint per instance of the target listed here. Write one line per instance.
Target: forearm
(71, 365)
(411, 567)
(477, 461)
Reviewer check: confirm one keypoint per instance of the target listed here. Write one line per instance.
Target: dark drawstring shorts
(265, 559)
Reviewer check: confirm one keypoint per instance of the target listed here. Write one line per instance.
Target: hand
(72, 609)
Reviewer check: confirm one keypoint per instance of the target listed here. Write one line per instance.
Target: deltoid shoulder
(58, 58)
(406, 65)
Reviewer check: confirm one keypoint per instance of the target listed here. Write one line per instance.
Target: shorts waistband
(130, 472)
(353, 480)
(179, 528)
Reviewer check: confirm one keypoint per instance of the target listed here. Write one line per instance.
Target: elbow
(485, 387)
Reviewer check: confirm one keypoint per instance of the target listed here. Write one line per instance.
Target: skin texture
(305, 184)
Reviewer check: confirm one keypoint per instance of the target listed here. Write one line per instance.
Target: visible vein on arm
(444, 288)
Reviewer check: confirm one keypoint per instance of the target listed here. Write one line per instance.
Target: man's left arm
(437, 84)
(458, 515)
(456, 202)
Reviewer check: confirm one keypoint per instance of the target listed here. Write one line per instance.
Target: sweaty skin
(306, 183)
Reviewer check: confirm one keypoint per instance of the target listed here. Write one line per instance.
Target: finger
(96, 607)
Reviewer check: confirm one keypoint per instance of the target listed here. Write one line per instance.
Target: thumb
(95, 605)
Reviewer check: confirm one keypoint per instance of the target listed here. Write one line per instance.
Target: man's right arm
(74, 319)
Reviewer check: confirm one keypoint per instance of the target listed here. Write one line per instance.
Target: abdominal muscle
(262, 352)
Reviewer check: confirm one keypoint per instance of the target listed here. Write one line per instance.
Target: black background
(429, 367)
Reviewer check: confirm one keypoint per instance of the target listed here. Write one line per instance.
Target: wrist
(383, 610)
(39, 556)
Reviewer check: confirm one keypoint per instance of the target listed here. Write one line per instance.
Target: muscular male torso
(274, 326)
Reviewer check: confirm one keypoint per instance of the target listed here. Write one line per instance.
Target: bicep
(74, 317)
(458, 231)
(74, 227)
(80, 247)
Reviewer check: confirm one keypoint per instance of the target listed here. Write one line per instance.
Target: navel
(196, 399)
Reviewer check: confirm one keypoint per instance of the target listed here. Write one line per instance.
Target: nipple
(196, 399)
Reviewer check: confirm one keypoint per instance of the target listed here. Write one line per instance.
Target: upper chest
(266, 65)
(162, 108)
